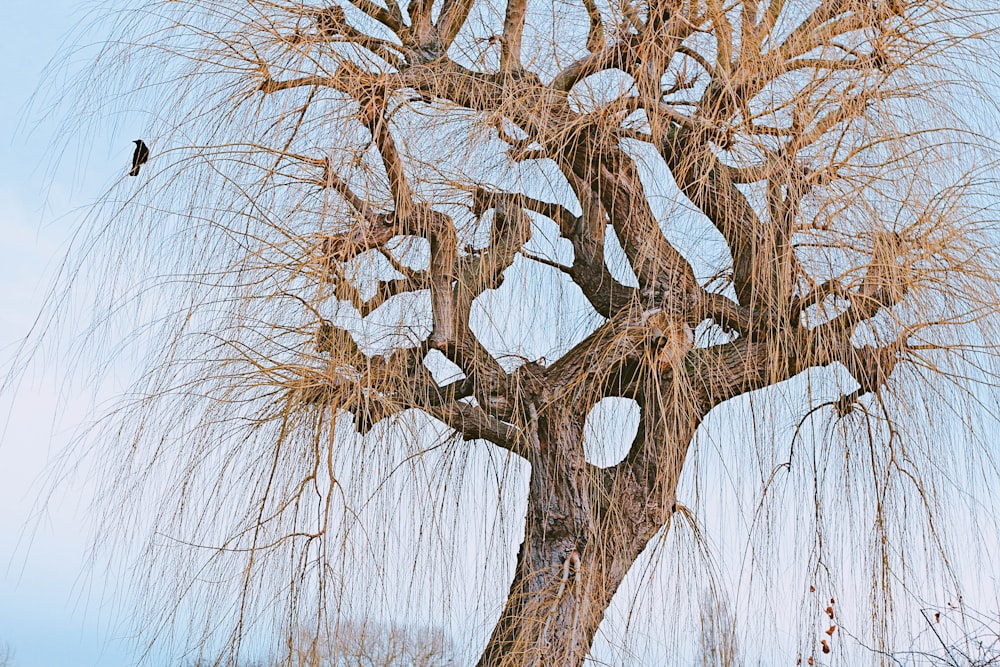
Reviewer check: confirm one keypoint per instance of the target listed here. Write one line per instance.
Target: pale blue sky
(50, 605)
(51, 609)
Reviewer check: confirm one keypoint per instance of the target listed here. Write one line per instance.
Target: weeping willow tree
(375, 235)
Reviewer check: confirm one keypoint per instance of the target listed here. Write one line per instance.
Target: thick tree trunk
(585, 527)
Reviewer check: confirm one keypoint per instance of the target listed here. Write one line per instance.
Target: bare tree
(355, 213)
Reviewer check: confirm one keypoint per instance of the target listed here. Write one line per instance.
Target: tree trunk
(584, 528)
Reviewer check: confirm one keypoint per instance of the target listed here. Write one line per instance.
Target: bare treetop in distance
(697, 199)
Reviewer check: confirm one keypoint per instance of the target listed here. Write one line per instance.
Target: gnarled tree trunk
(585, 526)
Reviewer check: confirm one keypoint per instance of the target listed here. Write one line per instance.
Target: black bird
(139, 157)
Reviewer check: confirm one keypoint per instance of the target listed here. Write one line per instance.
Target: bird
(139, 157)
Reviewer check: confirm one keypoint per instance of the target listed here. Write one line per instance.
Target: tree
(348, 191)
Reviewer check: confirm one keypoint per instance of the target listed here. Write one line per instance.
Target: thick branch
(372, 115)
(344, 290)
(652, 467)
(586, 233)
(747, 364)
(660, 268)
(454, 13)
(375, 388)
(443, 270)
(595, 33)
(486, 199)
(708, 184)
(833, 18)
(333, 180)
(391, 18)
(451, 302)
(509, 231)
(375, 228)
(722, 29)
(607, 356)
(331, 25)
(605, 58)
(513, 29)
(420, 21)
(366, 235)
(474, 424)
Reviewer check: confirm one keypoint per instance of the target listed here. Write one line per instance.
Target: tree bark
(585, 527)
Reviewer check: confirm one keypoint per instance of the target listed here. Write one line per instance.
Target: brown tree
(742, 192)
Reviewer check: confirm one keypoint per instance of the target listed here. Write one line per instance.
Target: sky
(51, 610)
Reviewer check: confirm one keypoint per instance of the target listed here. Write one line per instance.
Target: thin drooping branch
(748, 28)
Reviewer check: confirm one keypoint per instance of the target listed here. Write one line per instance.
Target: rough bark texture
(584, 528)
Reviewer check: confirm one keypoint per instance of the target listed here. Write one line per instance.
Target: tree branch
(595, 33)
(834, 18)
(387, 289)
(709, 185)
(473, 423)
(609, 173)
(586, 233)
(332, 26)
(513, 29)
(421, 28)
(390, 18)
(454, 13)
(372, 115)
(606, 58)
(362, 237)
(333, 180)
